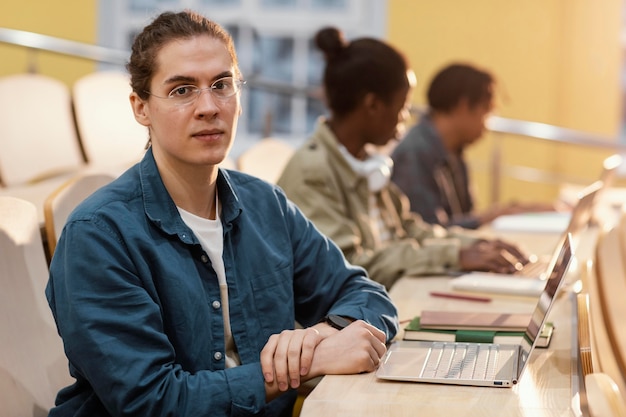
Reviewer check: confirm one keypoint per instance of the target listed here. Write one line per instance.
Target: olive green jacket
(322, 183)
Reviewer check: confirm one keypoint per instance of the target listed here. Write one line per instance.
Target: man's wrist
(324, 329)
(338, 322)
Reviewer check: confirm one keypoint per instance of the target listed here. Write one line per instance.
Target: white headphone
(376, 168)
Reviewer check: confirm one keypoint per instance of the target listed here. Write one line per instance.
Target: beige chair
(33, 366)
(38, 137)
(60, 203)
(37, 192)
(107, 128)
(605, 281)
(266, 159)
(604, 398)
(621, 225)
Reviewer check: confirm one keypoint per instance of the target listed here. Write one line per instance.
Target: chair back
(33, 366)
(604, 398)
(107, 128)
(60, 203)
(38, 137)
(606, 283)
(266, 159)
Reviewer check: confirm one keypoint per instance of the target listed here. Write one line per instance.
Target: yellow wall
(68, 19)
(556, 61)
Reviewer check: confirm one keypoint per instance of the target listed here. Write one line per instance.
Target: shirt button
(216, 304)
(217, 356)
(204, 259)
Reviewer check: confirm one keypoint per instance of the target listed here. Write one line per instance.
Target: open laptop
(530, 279)
(477, 364)
(557, 221)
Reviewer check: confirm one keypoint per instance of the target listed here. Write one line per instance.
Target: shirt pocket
(272, 294)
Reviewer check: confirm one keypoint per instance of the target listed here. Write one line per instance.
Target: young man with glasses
(177, 287)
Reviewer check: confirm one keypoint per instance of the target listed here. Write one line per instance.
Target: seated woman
(345, 189)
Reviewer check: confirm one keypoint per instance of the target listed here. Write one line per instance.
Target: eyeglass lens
(222, 88)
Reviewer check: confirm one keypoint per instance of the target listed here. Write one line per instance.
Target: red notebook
(453, 320)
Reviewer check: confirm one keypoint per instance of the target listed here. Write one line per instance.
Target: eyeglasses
(221, 89)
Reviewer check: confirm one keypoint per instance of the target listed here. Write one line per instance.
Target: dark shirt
(136, 300)
(435, 180)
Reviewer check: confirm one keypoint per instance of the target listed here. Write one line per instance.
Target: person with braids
(343, 185)
(177, 288)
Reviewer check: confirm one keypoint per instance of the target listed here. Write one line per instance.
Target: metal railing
(500, 125)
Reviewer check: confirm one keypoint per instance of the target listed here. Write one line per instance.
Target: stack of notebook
(440, 326)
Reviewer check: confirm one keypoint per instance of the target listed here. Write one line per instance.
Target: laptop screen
(546, 300)
(582, 212)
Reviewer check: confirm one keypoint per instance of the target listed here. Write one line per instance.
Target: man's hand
(498, 210)
(492, 255)
(287, 356)
(355, 349)
(294, 356)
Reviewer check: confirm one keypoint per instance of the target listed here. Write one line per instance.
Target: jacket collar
(328, 139)
(430, 134)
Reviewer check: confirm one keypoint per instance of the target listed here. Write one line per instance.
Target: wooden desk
(548, 387)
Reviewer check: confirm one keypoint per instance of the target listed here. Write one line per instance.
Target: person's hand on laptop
(515, 207)
(493, 256)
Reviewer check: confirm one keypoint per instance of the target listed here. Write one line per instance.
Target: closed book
(414, 331)
(471, 320)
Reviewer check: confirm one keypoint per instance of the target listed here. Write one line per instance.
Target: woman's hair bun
(331, 42)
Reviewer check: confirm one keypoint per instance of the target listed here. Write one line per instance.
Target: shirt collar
(161, 209)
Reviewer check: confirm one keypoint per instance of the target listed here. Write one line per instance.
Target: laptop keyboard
(475, 361)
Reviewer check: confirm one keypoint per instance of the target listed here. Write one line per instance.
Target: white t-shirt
(210, 234)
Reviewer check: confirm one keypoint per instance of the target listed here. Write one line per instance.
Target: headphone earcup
(377, 169)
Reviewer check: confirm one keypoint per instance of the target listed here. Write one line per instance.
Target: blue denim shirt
(136, 300)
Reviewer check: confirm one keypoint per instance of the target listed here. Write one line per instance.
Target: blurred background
(559, 65)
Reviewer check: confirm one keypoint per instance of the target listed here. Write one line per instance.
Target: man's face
(470, 120)
(200, 132)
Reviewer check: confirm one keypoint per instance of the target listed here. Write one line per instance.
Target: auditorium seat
(39, 140)
(60, 203)
(33, 366)
(266, 159)
(107, 129)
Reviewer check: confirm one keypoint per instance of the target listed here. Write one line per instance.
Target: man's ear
(461, 106)
(371, 103)
(140, 109)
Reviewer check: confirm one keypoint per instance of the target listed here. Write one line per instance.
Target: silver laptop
(579, 219)
(477, 364)
(530, 279)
